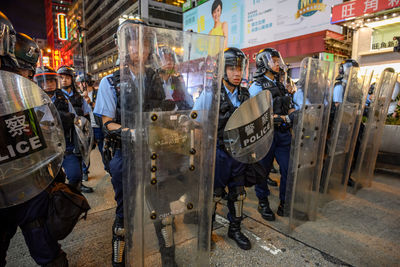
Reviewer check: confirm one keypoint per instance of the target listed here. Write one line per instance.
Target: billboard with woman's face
(247, 23)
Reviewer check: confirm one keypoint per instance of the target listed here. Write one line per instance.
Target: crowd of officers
(103, 108)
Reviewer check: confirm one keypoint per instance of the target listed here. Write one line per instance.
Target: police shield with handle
(167, 148)
(371, 129)
(310, 124)
(348, 101)
(31, 152)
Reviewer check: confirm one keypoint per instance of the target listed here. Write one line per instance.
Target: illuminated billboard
(248, 23)
(62, 26)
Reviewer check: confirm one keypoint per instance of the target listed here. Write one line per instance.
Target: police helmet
(265, 63)
(27, 52)
(234, 57)
(7, 43)
(66, 70)
(371, 88)
(346, 65)
(44, 74)
(166, 54)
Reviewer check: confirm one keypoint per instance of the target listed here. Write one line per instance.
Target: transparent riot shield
(84, 134)
(248, 133)
(372, 129)
(170, 82)
(308, 141)
(31, 143)
(343, 131)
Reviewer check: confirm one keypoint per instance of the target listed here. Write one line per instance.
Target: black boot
(234, 233)
(351, 182)
(118, 243)
(281, 209)
(271, 182)
(59, 261)
(265, 210)
(235, 206)
(86, 189)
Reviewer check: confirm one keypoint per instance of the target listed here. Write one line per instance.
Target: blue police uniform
(72, 164)
(338, 92)
(280, 150)
(105, 107)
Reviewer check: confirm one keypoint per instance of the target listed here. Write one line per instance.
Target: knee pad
(167, 231)
(237, 193)
(118, 241)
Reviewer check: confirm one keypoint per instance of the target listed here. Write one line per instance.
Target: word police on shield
(248, 133)
(20, 134)
(253, 131)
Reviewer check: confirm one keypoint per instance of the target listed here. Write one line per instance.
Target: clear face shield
(131, 53)
(274, 63)
(7, 43)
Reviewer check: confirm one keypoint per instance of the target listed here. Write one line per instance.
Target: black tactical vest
(76, 101)
(153, 97)
(282, 100)
(226, 109)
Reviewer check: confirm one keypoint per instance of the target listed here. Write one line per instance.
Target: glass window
(382, 37)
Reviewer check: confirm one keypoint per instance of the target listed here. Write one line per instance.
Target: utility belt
(280, 125)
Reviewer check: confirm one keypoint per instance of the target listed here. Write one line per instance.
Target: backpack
(66, 204)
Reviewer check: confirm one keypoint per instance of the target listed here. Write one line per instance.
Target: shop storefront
(374, 24)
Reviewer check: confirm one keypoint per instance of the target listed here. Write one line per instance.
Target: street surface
(360, 230)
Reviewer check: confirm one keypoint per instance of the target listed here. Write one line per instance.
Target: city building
(373, 26)
(56, 13)
(101, 19)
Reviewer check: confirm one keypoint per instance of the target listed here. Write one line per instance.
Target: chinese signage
(187, 5)
(358, 8)
(21, 135)
(62, 26)
(56, 59)
(265, 21)
(382, 37)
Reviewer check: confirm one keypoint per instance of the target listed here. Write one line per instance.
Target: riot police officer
(268, 63)
(228, 171)
(109, 107)
(341, 80)
(85, 83)
(73, 160)
(173, 83)
(30, 214)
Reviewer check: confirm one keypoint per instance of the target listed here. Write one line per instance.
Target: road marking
(262, 243)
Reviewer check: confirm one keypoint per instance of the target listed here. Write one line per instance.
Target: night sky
(27, 16)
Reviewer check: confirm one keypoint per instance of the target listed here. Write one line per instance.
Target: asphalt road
(360, 230)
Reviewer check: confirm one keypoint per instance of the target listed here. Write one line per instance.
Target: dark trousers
(72, 165)
(116, 180)
(42, 247)
(280, 149)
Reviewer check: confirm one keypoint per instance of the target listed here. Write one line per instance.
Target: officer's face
(133, 48)
(66, 80)
(276, 61)
(217, 13)
(234, 74)
(50, 85)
